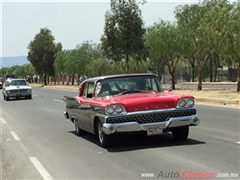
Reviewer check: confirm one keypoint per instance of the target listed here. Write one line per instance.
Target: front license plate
(154, 131)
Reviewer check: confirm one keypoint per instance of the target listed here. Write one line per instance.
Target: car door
(4, 88)
(86, 106)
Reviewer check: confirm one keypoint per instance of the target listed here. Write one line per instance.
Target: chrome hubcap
(76, 126)
(100, 133)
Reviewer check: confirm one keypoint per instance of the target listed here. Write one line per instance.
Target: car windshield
(16, 83)
(128, 85)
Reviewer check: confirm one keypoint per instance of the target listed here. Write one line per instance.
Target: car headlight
(7, 92)
(190, 102)
(182, 103)
(185, 103)
(29, 90)
(109, 110)
(115, 109)
(118, 109)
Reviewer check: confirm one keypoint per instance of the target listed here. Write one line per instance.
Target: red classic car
(113, 104)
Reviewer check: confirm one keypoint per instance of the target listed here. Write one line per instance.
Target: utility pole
(86, 42)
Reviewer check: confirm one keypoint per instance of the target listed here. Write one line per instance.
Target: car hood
(144, 101)
(18, 87)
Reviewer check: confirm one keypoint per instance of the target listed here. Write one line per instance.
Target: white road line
(40, 168)
(238, 142)
(16, 137)
(3, 121)
(35, 95)
(58, 100)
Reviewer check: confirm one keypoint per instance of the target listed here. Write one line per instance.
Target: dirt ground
(208, 93)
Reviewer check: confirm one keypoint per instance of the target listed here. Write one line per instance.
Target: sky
(71, 22)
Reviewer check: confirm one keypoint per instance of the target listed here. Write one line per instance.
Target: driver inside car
(105, 90)
(142, 85)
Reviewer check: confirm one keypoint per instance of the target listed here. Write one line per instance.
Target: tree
(235, 36)
(86, 54)
(123, 31)
(142, 66)
(3, 71)
(187, 50)
(29, 71)
(59, 64)
(99, 67)
(42, 51)
(70, 61)
(230, 35)
(19, 72)
(14, 70)
(194, 20)
(164, 44)
(216, 19)
(224, 30)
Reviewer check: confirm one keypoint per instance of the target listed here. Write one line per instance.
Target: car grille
(19, 91)
(151, 117)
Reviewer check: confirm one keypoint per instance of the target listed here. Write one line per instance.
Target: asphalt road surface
(39, 143)
(208, 86)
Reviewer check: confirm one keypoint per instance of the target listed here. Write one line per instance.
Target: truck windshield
(16, 83)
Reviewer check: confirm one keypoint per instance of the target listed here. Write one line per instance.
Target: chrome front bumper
(192, 120)
(18, 94)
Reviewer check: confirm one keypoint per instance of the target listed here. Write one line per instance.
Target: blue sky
(71, 22)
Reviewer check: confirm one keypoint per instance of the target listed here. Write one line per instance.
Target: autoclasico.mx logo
(188, 174)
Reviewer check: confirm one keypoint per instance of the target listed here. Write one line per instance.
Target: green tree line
(203, 38)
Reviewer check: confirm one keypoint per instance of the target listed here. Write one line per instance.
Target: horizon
(9, 61)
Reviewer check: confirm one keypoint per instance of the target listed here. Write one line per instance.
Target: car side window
(88, 90)
(7, 84)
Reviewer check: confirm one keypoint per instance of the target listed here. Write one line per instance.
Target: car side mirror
(169, 88)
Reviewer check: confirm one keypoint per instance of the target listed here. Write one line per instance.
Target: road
(38, 143)
(205, 85)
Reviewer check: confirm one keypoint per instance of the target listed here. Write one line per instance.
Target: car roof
(16, 79)
(116, 76)
(11, 79)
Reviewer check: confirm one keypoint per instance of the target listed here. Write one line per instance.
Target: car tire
(180, 133)
(6, 98)
(78, 131)
(104, 139)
